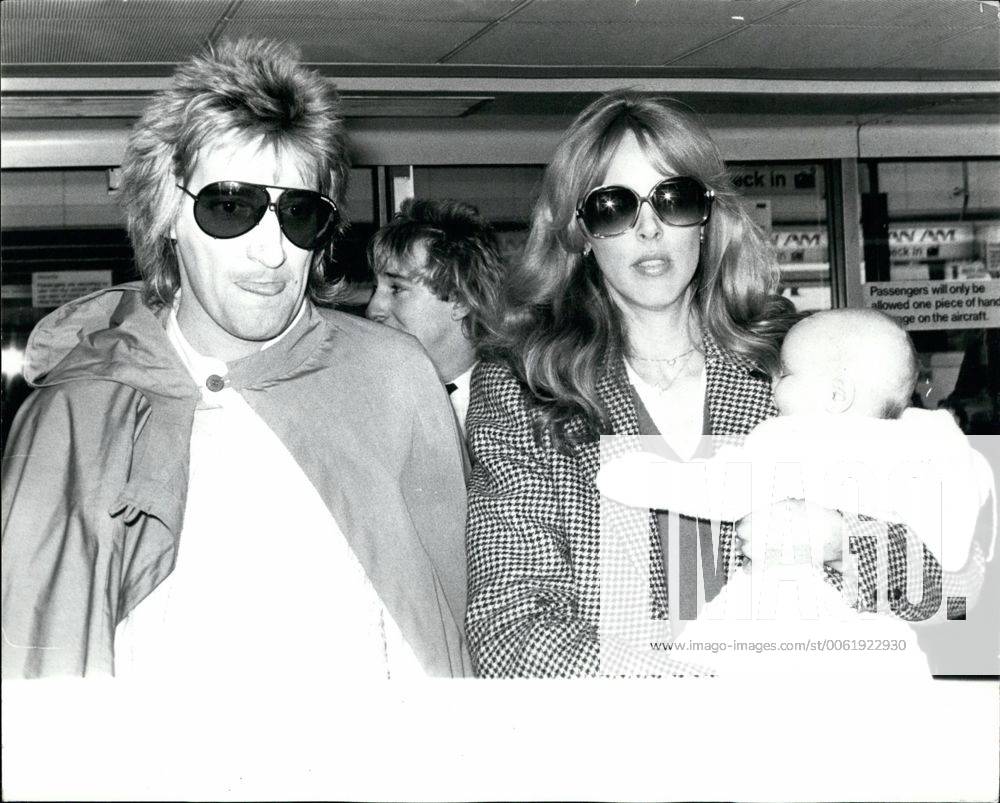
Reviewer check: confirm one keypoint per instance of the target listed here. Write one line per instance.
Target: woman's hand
(815, 535)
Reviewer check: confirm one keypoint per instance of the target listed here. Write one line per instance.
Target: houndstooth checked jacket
(543, 600)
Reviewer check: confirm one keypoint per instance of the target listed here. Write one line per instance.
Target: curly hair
(559, 329)
(463, 256)
(250, 91)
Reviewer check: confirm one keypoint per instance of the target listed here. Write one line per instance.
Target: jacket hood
(107, 335)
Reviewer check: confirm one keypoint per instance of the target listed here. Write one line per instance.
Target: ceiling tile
(585, 43)
(201, 10)
(978, 49)
(810, 38)
(896, 13)
(119, 40)
(815, 47)
(324, 10)
(362, 40)
(663, 12)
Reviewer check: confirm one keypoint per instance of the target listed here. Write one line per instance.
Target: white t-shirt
(265, 581)
(664, 414)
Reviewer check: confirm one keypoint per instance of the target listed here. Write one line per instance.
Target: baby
(844, 440)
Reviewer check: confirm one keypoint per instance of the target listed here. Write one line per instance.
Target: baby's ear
(841, 395)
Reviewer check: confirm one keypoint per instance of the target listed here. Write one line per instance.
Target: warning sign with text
(57, 287)
(964, 304)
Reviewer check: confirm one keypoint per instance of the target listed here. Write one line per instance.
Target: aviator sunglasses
(613, 210)
(227, 209)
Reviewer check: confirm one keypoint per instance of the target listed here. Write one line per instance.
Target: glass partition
(931, 232)
(789, 201)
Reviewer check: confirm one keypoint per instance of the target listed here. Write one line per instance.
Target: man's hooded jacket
(96, 469)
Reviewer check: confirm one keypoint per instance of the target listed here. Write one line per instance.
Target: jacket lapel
(739, 395)
(636, 529)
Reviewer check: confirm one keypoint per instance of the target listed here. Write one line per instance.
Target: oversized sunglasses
(613, 210)
(228, 209)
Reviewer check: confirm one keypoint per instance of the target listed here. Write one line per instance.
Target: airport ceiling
(488, 58)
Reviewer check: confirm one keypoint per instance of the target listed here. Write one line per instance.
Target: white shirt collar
(459, 397)
(464, 379)
(201, 366)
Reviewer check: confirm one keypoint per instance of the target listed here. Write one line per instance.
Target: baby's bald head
(847, 361)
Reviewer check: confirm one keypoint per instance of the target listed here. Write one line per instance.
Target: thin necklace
(664, 360)
(662, 389)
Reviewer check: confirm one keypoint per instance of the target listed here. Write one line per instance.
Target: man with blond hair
(216, 475)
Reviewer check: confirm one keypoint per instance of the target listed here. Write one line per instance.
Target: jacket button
(215, 383)
(895, 594)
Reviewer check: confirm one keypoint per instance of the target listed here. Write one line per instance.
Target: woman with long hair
(644, 305)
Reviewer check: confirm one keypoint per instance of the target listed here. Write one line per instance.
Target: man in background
(438, 274)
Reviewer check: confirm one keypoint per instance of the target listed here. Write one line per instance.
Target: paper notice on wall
(56, 287)
(968, 304)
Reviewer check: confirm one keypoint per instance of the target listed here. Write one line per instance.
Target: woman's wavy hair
(560, 331)
(246, 91)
